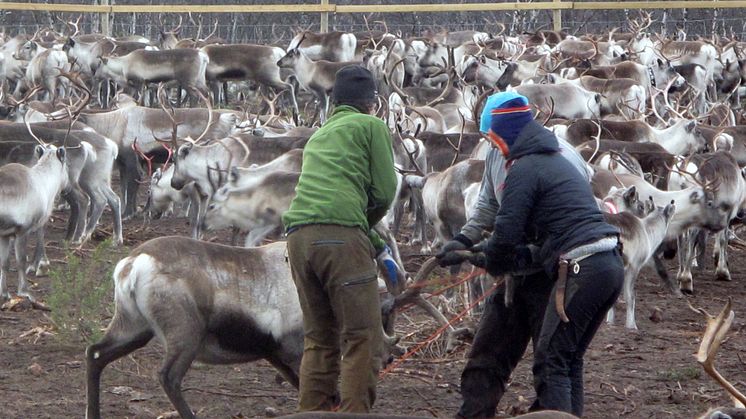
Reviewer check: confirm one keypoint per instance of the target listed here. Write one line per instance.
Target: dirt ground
(649, 373)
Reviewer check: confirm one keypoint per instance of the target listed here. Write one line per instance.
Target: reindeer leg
(97, 208)
(684, 275)
(129, 174)
(4, 267)
(113, 346)
(256, 235)
(20, 247)
(630, 277)
(202, 209)
(116, 212)
(40, 266)
(179, 356)
(76, 224)
(722, 272)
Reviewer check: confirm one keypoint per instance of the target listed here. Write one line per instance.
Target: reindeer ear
(61, 153)
(38, 151)
(104, 60)
(234, 174)
(630, 194)
(691, 126)
(660, 62)
(598, 98)
(669, 210)
(696, 196)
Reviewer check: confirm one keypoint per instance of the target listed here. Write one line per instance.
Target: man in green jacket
(347, 184)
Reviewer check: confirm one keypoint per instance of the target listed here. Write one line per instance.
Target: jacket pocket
(360, 280)
(327, 242)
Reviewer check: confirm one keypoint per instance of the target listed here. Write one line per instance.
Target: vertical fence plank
(324, 18)
(557, 17)
(105, 19)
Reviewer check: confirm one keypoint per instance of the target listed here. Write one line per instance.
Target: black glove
(447, 255)
(500, 257)
(459, 242)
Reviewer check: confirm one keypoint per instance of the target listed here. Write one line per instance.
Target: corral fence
(260, 21)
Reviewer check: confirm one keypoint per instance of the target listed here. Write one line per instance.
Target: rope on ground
(438, 332)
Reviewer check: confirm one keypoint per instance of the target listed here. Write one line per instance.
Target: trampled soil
(650, 373)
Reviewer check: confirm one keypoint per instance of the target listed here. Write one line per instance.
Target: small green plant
(679, 374)
(81, 295)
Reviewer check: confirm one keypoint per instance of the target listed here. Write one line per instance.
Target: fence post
(324, 18)
(557, 16)
(105, 30)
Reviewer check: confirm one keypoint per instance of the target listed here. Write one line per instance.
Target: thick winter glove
(386, 261)
(447, 255)
(499, 259)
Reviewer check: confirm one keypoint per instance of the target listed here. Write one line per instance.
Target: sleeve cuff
(463, 240)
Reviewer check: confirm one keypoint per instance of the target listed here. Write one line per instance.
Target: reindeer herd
(216, 131)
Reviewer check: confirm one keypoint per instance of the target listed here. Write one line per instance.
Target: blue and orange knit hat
(504, 116)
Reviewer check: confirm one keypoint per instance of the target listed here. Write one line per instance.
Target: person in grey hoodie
(504, 333)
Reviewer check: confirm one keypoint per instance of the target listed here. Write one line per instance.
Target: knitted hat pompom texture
(354, 83)
(505, 114)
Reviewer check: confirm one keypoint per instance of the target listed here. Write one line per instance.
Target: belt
(573, 257)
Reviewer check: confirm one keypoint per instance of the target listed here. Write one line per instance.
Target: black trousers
(501, 339)
(558, 356)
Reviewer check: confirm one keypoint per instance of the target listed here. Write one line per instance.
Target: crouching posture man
(347, 184)
(504, 332)
(544, 194)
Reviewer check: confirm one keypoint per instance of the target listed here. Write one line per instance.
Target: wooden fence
(324, 7)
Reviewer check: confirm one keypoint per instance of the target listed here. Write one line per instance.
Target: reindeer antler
(717, 328)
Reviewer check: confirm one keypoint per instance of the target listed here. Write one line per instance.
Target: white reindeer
(26, 201)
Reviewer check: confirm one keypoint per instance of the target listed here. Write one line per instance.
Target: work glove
(386, 261)
(501, 259)
(447, 255)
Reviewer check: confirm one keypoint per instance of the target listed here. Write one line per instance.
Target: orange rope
(444, 289)
(437, 333)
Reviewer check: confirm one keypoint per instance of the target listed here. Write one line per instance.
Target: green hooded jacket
(348, 175)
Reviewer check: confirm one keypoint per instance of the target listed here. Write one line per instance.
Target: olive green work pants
(335, 275)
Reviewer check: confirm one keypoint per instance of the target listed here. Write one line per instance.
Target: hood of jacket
(534, 139)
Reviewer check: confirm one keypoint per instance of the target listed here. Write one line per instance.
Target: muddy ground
(649, 373)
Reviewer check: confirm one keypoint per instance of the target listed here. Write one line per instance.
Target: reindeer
(641, 238)
(443, 199)
(27, 197)
(246, 62)
(314, 76)
(162, 196)
(682, 137)
(184, 66)
(699, 205)
(129, 122)
(576, 101)
(620, 96)
(225, 305)
(256, 207)
(44, 68)
(332, 46)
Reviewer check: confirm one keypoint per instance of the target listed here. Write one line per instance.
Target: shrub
(82, 294)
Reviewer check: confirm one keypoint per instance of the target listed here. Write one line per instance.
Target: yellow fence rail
(327, 6)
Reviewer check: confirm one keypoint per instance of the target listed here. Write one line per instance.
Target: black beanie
(354, 83)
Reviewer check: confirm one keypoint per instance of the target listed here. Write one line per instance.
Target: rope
(438, 332)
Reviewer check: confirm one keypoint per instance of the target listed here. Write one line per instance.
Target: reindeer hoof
(723, 276)
(26, 294)
(687, 291)
(169, 415)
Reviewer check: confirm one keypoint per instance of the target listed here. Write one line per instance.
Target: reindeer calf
(26, 201)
